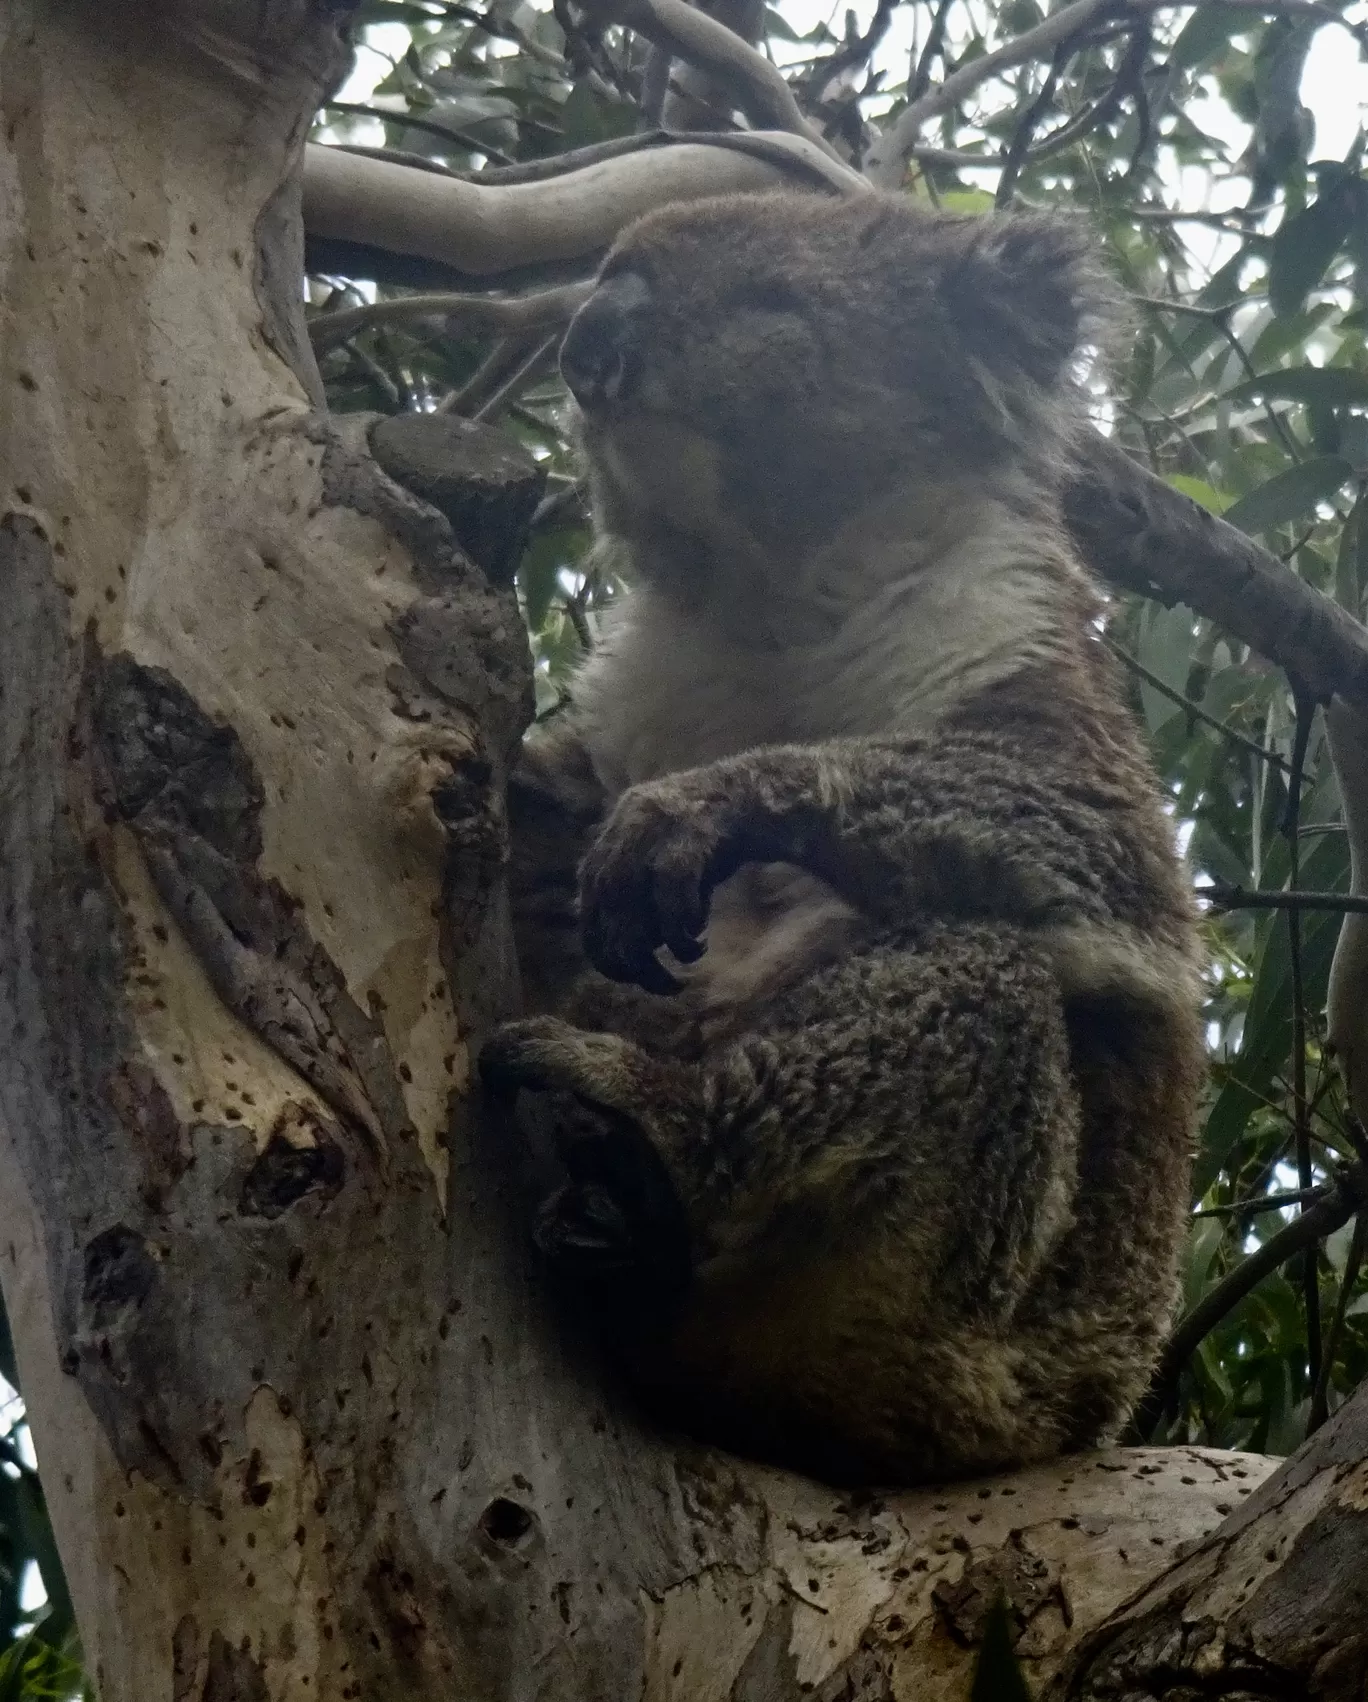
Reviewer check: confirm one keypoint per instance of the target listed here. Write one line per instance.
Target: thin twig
(1301, 1115)
(1021, 137)
(1266, 1202)
(935, 44)
(1126, 81)
(757, 86)
(376, 373)
(1222, 895)
(557, 503)
(507, 32)
(1320, 1396)
(851, 53)
(505, 357)
(887, 156)
(467, 143)
(1324, 1218)
(1194, 709)
(502, 313)
(518, 380)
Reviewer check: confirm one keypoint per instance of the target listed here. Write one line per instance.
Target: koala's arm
(555, 805)
(960, 827)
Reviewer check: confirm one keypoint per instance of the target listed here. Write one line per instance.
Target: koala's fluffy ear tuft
(1027, 291)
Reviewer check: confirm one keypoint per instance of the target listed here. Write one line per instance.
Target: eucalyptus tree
(308, 1424)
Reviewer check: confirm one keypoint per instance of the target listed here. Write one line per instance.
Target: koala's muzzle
(601, 355)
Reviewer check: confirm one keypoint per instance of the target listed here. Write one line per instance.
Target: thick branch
(1139, 533)
(480, 231)
(1274, 1604)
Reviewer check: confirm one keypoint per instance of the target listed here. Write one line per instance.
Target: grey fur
(893, 1185)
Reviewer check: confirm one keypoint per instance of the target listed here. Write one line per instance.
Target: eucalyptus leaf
(1290, 495)
(1303, 249)
(1327, 386)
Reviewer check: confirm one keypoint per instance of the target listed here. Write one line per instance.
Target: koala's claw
(582, 1225)
(646, 882)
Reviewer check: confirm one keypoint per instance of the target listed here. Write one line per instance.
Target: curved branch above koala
(480, 231)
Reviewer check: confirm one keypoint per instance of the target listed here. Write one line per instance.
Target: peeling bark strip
(185, 786)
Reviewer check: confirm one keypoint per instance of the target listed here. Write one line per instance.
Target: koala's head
(796, 352)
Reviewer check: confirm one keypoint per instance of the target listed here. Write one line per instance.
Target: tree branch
(506, 314)
(888, 156)
(753, 82)
(482, 231)
(1313, 1225)
(1226, 897)
(1137, 532)
(1193, 708)
(889, 153)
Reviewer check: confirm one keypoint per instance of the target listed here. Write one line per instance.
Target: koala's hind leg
(883, 1171)
(618, 1116)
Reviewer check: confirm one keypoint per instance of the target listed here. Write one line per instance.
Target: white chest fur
(669, 690)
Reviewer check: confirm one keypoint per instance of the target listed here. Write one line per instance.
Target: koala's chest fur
(669, 690)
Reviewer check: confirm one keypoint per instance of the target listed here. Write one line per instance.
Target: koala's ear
(1025, 291)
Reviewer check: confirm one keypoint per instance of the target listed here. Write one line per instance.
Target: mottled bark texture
(309, 1428)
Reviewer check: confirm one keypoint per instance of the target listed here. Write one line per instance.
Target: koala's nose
(601, 354)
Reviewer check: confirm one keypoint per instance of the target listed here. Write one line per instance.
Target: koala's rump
(815, 1369)
(911, 1121)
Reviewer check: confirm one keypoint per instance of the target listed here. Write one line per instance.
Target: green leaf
(1206, 33)
(1323, 386)
(1289, 494)
(31, 1670)
(537, 573)
(1164, 647)
(1214, 501)
(967, 200)
(1351, 564)
(998, 1676)
(777, 26)
(1303, 249)
(1205, 1238)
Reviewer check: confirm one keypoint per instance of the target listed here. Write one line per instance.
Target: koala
(864, 973)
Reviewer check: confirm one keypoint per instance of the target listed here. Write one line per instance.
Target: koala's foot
(620, 1221)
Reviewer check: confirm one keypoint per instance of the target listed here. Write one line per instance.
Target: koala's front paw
(647, 880)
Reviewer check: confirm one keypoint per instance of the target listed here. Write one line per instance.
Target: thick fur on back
(950, 961)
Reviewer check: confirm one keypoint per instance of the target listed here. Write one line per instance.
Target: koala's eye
(763, 295)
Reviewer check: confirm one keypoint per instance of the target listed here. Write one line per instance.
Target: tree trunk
(309, 1428)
